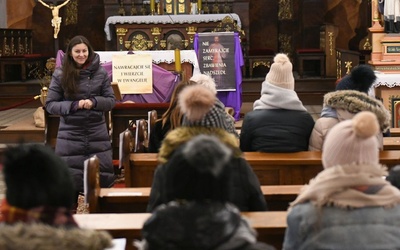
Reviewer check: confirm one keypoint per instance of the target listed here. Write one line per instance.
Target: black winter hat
(360, 78)
(35, 176)
(198, 171)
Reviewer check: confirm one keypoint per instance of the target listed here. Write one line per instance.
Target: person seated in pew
(279, 122)
(348, 205)
(208, 82)
(36, 212)
(198, 183)
(170, 120)
(349, 98)
(202, 117)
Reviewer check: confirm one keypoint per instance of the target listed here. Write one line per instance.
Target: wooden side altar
(165, 32)
(385, 59)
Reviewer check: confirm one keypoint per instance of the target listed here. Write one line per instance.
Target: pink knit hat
(352, 141)
(281, 73)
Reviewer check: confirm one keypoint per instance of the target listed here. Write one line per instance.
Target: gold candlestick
(178, 66)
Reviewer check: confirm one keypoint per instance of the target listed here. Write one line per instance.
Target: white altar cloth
(181, 19)
(158, 56)
(388, 80)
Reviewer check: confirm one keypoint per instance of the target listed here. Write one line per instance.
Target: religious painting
(216, 55)
(396, 112)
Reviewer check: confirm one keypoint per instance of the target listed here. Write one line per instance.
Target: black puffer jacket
(246, 192)
(84, 133)
(276, 130)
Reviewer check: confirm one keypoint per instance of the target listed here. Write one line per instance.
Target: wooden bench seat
(271, 168)
(270, 226)
(135, 200)
(391, 143)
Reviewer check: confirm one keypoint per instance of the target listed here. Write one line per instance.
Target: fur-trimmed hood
(355, 101)
(44, 237)
(181, 135)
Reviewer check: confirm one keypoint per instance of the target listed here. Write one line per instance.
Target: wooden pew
(391, 143)
(271, 168)
(269, 225)
(135, 200)
(395, 132)
(123, 113)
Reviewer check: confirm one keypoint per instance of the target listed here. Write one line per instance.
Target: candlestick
(152, 6)
(199, 6)
(178, 66)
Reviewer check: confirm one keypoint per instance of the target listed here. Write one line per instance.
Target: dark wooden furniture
(135, 200)
(346, 61)
(124, 114)
(270, 226)
(310, 60)
(271, 168)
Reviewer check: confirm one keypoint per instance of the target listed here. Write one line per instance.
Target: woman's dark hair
(70, 69)
(173, 113)
(35, 176)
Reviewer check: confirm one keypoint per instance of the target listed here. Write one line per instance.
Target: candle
(152, 6)
(178, 66)
(199, 5)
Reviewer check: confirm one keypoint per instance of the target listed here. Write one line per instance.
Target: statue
(56, 21)
(391, 14)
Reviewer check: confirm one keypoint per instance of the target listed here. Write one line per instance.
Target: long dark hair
(173, 113)
(69, 67)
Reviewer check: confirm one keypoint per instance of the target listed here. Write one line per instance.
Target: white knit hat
(205, 80)
(281, 72)
(352, 141)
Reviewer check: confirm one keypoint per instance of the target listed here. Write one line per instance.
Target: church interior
(324, 40)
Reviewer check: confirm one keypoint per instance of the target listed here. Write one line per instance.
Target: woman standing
(80, 93)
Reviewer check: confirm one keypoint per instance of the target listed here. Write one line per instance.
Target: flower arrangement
(44, 77)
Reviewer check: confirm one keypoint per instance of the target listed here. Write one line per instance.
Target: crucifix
(55, 10)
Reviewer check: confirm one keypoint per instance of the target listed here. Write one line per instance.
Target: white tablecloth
(388, 80)
(158, 56)
(181, 19)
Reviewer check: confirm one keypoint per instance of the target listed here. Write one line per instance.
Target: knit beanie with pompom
(360, 78)
(281, 73)
(352, 141)
(198, 106)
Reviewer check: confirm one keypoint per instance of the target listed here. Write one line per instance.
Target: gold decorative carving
(139, 42)
(285, 43)
(163, 44)
(348, 66)
(330, 34)
(155, 31)
(72, 13)
(191, 30)
(367, 45)
(121, 31)
(338, 65)
(263, 63)
(227, 24)
(121, 10)
(285, 11)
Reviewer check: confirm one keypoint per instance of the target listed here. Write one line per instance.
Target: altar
(387, 88)
(164, 32)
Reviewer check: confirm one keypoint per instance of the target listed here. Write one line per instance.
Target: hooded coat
(84, 133)
(44, 237)
(343, 105)
(246, 192)
(198, 225)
